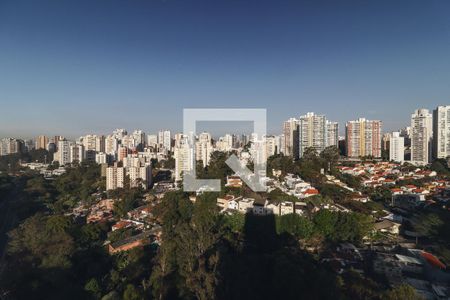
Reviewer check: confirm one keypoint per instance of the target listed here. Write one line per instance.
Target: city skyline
(96, 66)
(216, 129)
(422, 142)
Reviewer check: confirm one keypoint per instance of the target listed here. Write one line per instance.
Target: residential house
(387, 226)
(224, 202)
(245, 205)
(234, 181)
(129, 243)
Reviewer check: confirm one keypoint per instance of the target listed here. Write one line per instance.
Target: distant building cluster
(427, 137)
(11, 146)
(309, 131)
(130, 154)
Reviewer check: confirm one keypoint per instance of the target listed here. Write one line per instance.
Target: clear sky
(73, 67)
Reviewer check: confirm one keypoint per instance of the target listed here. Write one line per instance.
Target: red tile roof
(121, 224)
(311, 192)
(433, 260)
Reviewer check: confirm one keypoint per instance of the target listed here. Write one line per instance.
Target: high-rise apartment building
(421, 136)
(3, 147)
(309, 131)
(291, 135)
(230, 140)
(271, 145)
(139, 137)
(76, 153)
(111, 145)
(396, 147)
(406, 133)
(184, 160)
(203, 148)
(332, 134)
(11, 146)
(100, 143)
(119, 133)
(152, 140)
(122, 153)
(101, 158)
(363, 138)
(51, 147)
(89, 142)
(244, 139)
(441, 132)
(115, 177)
(133, 160)
(55, 139)
(178, 138)
(226, 143)
(41, 142)
(92, 144)
(312, 131)
(282, 144)
(129, 142)
(385, 141)
(29, 145)
(164, 139)
(63, 154)
(140, 175)
(258, 152)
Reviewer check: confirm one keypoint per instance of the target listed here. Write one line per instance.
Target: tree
(352, 181)
(352, 227)
(174, 210)
(217, 167)
(58, 223)
(37, 243)
(309, 166)
(333, 191)
(385, 154)
(131, 293)
(235, 222)
(338, 226)
(310, 154)
(296, 225)
(403, 291)
(90, 235)
(199, 240)
(382, 194)
(120, 234)
(281, 162)
(428, 224)
(356, 286)
(325, 222)
(441, 167)
(93, 288)
(330, 155)
(113, 295)
(169, 163)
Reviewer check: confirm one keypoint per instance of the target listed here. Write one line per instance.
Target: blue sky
(74, 67)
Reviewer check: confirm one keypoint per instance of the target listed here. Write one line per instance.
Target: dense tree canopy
(403, 291)
(43, 242)
(204, 254)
